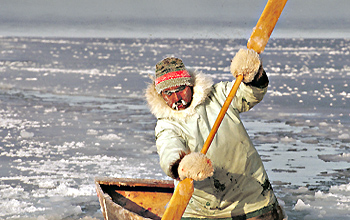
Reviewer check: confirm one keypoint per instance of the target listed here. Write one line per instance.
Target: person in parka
(230, 180)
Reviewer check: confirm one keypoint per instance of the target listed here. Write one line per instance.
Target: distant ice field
(72, 109)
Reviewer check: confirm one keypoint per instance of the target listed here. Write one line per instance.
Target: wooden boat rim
(134, 182)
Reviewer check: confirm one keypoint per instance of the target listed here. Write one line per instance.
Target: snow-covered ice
(72, 109)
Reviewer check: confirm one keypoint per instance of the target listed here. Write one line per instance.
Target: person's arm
(255, 81)
(171, 148)
(176, 160)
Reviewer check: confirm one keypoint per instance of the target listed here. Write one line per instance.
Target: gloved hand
(195, 166)
(246, 62)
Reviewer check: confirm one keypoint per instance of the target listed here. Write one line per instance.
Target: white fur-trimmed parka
(240, 185)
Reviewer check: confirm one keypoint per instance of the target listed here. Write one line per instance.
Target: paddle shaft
(257, 41)
(222, 113)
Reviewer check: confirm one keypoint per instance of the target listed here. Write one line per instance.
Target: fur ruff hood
(159, 108)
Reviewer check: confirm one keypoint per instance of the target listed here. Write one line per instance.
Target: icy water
(72, 109)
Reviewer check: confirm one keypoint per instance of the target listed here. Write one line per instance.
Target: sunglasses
(178, 89)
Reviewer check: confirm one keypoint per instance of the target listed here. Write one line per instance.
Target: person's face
(178, 97)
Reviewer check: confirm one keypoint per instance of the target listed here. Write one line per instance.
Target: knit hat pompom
(171, 72)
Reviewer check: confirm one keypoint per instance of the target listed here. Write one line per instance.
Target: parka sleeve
(171, 146)
(246, 97)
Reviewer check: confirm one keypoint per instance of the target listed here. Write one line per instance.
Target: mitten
(195, 166)
(246, 62)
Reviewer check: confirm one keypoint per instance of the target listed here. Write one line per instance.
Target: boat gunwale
(107, 186)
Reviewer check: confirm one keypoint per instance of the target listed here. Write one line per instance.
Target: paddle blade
(266, 23)
(179, 200)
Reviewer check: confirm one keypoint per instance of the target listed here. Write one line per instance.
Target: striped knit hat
(171, 72)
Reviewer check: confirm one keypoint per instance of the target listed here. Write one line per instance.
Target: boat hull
(133, 199)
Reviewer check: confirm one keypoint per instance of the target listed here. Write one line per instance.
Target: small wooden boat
(134, 199)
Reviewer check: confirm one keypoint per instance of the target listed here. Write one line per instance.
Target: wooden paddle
(257, 41)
